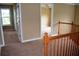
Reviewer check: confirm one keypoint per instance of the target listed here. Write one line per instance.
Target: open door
(1, 32)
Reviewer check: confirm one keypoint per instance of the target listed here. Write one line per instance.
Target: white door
(1, 31)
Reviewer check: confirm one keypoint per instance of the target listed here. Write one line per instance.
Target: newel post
(72, 28)
(46, 43)
(58, 27)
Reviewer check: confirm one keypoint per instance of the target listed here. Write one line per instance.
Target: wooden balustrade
(65, 44)
(74, 27)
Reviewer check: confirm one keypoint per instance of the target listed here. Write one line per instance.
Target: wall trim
(2, 45)
(28, 40)
(3, 42)
(21, 25)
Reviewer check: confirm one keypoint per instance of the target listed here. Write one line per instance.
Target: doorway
(8, 25)
(46, 17)
(7, 17)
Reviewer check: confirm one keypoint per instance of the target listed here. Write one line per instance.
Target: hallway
(26, 21)
(13, 46)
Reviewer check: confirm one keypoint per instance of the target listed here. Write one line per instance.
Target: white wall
(64, 13)
(76, 20)
(30, 21)
(30, 16)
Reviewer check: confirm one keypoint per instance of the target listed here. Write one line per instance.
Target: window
(5, 17)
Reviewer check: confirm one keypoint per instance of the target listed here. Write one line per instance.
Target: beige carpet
(15, 48)
(34, 48)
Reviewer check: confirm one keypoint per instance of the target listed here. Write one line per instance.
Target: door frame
(2, 34)
(11, 14)
(52, 16)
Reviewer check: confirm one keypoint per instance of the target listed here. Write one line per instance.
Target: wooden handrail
(69, 24)
(73, 36)
(62, 35)
(47, 40)
(72, 24)
(66, 23)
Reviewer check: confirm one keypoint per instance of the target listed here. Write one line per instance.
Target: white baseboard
(28, 40)
(2, 45)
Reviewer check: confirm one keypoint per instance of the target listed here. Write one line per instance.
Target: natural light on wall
(5, 17)
(45, 20)
(44, 27)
